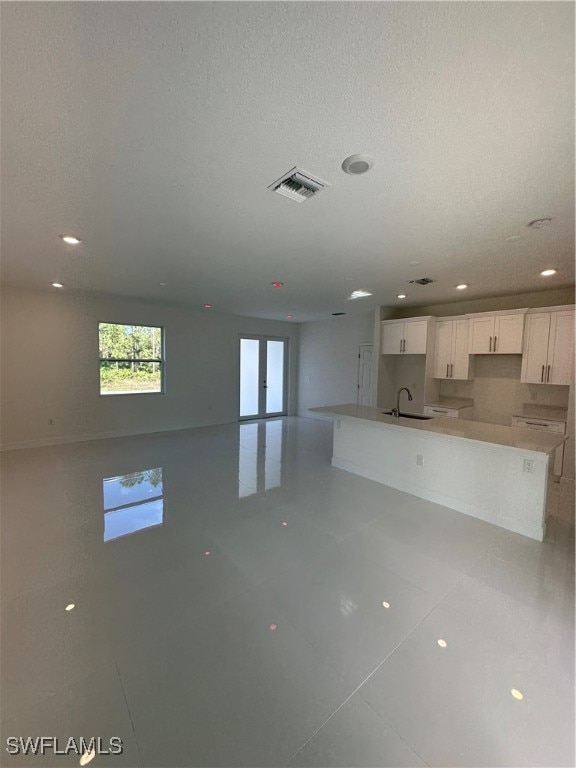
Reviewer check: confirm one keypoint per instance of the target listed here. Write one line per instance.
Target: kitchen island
(495, 473)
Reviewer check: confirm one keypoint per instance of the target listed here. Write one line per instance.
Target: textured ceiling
(152, 130)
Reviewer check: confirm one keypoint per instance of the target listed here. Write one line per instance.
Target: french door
(263, 376)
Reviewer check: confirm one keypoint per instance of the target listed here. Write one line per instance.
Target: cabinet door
(443, 349)
(481, 335)
(415, 335)
(508, 334)
(460, 357)
(535, 355)
(392, 335)
(560, 348)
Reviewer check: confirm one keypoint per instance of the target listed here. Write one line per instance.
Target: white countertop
(454, 403)
(512, 437)
(535, 411)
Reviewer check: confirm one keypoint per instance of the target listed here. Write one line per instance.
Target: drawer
(433, 410)
(542, 424)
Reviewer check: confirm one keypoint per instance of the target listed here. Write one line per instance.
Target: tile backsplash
(498, 392)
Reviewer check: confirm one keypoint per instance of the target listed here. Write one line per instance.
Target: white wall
(49, 346)
(328, 360)
(498, 391)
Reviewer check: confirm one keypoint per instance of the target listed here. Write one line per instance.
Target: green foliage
(129, 342)
(152, 476)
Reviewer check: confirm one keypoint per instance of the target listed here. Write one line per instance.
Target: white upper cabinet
(451, 358)
(500, 334)
(392, 338)
(404, 337)
(549, 348)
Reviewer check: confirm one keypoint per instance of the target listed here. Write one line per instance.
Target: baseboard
(46, 442)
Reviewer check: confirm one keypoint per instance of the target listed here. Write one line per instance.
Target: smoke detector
(356, 165)
(422, 281)
(298, 185)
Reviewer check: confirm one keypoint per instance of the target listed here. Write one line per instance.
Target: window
(133, 503)
(131, 359)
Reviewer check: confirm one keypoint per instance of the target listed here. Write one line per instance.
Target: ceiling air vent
(298, 185)
(422, 281)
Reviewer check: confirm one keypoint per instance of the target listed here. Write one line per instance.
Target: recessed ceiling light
(356, 165)
(70, 239)
(289, 317)
(57, 285)
(277, 285)
(385, 604)
(461, 286)
(401, 296)
(540, 223)
(512, 238)
(442, 643)
(360, 294)
(207, 306)
(548, 272)
(70, 607)
(163, 283)
(413, 263)
(517, 694)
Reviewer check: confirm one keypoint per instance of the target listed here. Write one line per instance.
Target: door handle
(495, 337)
(490, 343)
(403, 345)
(447, 366)
(548, 375)
(542, 377)
(451, 370)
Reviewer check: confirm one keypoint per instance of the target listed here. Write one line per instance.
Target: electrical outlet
(529, 466)
(419, 460)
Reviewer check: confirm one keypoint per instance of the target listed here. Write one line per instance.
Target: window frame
(161, 361)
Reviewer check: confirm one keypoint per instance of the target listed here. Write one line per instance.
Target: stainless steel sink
(409, 415)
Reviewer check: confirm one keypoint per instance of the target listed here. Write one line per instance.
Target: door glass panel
(273, 456)
(248, 460)
(275, 376)
(249, 361)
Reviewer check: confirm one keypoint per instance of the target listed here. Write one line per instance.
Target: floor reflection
(132, 502)
(260, 457)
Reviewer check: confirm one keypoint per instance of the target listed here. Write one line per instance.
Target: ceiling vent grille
(298, 185)
(422, 281)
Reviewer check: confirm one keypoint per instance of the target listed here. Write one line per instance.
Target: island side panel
(479, 479)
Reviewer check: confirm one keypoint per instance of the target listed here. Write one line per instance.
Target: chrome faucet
(396, 411)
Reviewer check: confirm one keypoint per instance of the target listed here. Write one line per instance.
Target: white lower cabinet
(546, 425)
(453, 413)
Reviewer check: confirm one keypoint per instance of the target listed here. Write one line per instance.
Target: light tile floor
(229, 588)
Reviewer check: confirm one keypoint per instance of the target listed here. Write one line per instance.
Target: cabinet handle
(548, 375)
(536, 423)
(436, 410)
(447, 366)
(542, 377)
(404, 349)
(490, 343)
(451, 370)
(495, 337)
(400, 345)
